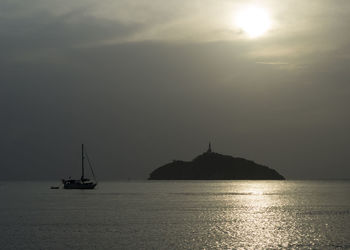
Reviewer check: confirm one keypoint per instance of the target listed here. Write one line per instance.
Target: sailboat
(82, 183)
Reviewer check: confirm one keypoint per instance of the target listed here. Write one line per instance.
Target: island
(214, 166)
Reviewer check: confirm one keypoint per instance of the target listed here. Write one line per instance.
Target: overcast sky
(144, 82)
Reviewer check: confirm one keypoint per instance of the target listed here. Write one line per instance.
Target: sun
(253, 20)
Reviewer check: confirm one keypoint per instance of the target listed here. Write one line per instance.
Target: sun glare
(253, 20)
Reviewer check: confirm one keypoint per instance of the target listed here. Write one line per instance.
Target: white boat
(82, 183)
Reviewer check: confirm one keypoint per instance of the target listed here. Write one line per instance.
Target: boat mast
(82, 162)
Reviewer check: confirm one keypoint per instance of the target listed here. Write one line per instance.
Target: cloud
(37, 24)
(142, 82)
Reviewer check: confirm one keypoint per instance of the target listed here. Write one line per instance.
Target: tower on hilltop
(209, 148)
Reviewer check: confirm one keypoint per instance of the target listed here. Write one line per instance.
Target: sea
(176, 215)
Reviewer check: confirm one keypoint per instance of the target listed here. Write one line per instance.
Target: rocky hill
(214, 166)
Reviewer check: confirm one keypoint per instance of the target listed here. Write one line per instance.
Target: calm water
(177, 215)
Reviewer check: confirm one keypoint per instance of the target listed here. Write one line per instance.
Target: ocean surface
(177, 215)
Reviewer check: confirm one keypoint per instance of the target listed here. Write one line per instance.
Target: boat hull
(77, 184)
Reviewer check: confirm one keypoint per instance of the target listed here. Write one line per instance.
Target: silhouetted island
(214, 166)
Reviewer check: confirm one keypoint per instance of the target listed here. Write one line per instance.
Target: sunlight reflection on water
(177, 215)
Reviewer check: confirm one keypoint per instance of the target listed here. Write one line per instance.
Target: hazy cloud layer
(144, 82)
